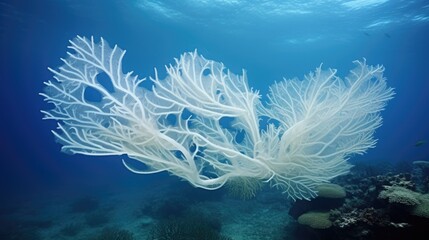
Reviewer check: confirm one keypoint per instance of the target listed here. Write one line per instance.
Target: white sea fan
(189, 123)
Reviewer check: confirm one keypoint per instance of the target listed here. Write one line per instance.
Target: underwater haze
(47, 192)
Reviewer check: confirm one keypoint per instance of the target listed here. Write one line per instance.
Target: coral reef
(366, 216)
(316, 220)
(377, 206)
(422, 208)
(400, 195)
(330, 190)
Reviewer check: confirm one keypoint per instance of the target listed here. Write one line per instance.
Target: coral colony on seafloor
(205, 124)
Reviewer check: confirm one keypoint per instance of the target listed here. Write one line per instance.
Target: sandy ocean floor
(86, 215)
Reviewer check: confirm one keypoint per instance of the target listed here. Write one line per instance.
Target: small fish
(367, 34)
(387, 35)
(420, 143)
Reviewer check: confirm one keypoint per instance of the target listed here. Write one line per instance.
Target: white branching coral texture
(202, 122)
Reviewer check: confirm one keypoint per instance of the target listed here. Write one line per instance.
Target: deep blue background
(268, 38)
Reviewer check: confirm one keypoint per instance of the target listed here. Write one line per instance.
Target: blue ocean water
(272, 40)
